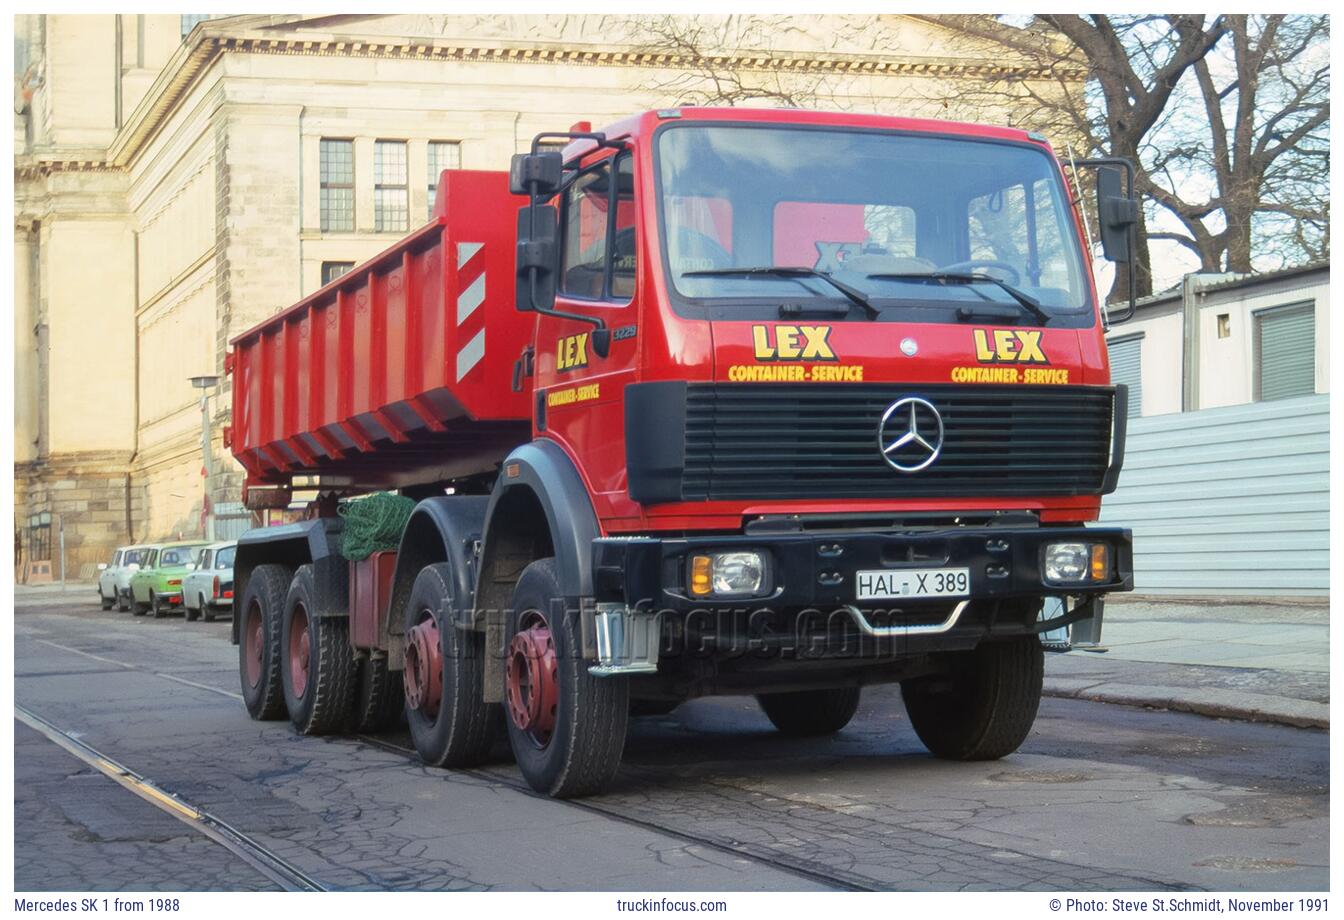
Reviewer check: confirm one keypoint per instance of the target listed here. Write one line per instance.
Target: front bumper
(646, 622)
(817, 570)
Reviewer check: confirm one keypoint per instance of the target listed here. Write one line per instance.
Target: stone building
(179, 178)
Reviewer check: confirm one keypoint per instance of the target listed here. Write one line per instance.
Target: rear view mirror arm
(1125, 164)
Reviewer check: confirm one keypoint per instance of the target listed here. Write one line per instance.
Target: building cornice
(211, 40)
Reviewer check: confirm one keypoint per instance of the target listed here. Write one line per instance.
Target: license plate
(893, 584)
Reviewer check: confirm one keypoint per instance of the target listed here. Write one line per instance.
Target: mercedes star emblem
(911, 434)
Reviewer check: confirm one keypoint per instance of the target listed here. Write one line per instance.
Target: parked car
(157, 586)
(114, 578)
(107, 577)
(208, 588)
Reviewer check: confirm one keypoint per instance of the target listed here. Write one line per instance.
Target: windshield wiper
(789, 271)
(1025, 300)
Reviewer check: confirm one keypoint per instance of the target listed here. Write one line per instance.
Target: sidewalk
(76, 593)
(1255, 661)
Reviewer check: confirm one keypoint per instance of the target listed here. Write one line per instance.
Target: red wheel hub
(299, 649)
(252, 635)
(533, 681)
(423, 675)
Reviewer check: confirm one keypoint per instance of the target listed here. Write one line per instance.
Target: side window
(623, 240)
(224, 558)
(202, 559)
(116, 558)
(1021, 227)
(598, 261)
(997, 227)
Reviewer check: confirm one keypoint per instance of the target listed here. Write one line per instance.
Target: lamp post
(205, 384)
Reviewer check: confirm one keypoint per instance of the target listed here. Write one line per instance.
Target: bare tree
(1226, 120)
(725, 60)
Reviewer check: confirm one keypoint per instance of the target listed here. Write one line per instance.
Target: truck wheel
(450, 722)
(811, 712)
(317, 666)
(378, 698)
(566, 727)
(984, 707)
(262, 606)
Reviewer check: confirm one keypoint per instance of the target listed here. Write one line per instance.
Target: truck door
(579, 393)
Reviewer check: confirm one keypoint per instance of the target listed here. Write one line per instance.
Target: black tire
(137, 608)
(107, 604)
(122, 603)
(462, 732)
(207, 612)
(811, 712)
(156, 606)
(329, 687)
(984, 707)
(583, 752)
(191, 615)
(264, 597)
(379, 698)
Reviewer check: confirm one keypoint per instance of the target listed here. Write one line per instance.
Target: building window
(1126, 368)
(333, 270)
(390, 208)
(189, 21)
(442, 155)
(1285, 352)
(337, 177)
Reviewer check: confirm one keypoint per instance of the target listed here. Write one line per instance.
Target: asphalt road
(1099, 798)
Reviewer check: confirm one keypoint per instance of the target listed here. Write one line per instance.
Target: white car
(114, 578)
(208, 588)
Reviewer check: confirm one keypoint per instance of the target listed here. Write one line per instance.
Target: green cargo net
(374, 523)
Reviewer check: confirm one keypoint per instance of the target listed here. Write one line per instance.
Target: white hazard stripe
(470, 354)
(468, 301)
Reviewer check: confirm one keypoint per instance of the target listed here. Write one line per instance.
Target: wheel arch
(539, 507)
(445, 528)
(317, 542)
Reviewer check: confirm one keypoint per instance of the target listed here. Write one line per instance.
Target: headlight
(1076, 563)
(732, 574)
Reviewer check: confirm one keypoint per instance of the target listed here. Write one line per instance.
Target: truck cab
(816, 401)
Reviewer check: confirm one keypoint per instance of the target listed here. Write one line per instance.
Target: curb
(1242, 706)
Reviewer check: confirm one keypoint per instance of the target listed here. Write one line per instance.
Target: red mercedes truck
(714, 401)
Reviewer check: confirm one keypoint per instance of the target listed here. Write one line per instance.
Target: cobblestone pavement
(1100, 797)
(84, 832)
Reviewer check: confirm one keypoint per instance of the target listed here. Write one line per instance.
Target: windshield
(880, 212)
(179, 556)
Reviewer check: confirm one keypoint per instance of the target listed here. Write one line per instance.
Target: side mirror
(1117, 213)
(102, 566)
(537, 256)
(537, 174)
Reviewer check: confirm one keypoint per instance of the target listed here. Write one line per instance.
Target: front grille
(753, 441)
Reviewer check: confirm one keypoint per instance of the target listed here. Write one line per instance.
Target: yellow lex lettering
(792, 343)
(571, 352)
(1009, 345)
